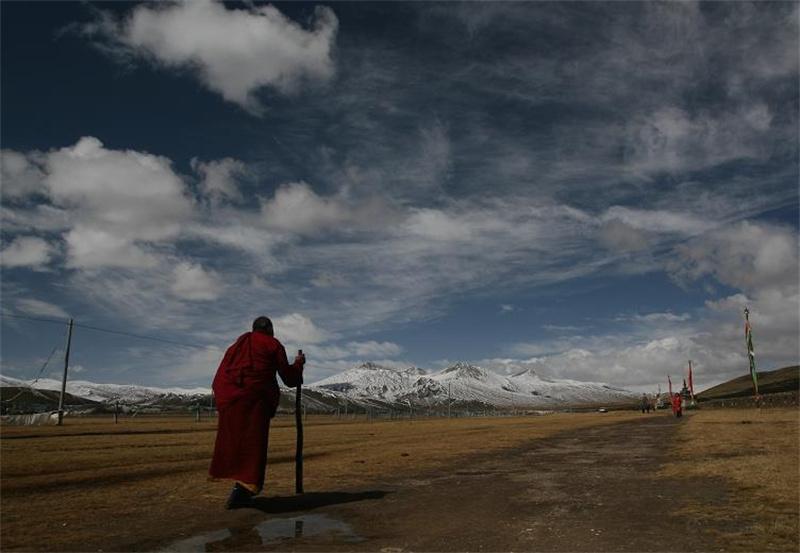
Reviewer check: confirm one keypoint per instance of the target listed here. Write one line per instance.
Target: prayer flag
(751, 354)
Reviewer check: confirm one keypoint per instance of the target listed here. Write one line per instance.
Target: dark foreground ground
(594, 489)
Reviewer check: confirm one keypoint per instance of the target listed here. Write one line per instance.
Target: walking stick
(298, 456)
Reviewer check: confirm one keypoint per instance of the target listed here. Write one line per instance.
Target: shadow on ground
(312, 500)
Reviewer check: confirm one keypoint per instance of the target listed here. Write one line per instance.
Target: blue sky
(595, 190)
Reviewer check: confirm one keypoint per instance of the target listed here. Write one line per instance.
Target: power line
(39, 319)
(35, 380)
(110, 331)
(153, 338)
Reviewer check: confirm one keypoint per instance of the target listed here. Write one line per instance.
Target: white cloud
(297, 208)
(672, 140)
(353, 351)
(298, 329)
(759, 259)
(110, 202)
(436, 224)
(27, 251)
(193, 282)
(234, 51)
(658, 220)
(372, 349)
(218, 182)
(246, 236)
(747, 255)
(617, 235)
(18, 175)
(89, 248)
(41, 308)
(41, 218)
(137, 195)
(665, 317)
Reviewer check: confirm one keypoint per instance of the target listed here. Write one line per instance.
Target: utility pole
(64, 380)
(298, 422)
(448, 400)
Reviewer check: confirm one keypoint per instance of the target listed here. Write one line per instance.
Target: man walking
(247, 394)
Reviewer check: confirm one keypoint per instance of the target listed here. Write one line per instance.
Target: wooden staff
(298, 419)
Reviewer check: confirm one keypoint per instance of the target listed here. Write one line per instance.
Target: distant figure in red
(246, 393)
(677, 408)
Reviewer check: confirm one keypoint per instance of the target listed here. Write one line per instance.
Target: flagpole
(751, 354)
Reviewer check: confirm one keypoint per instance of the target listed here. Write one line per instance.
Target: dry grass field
(93, 485)
(757, 454)
(732, 475)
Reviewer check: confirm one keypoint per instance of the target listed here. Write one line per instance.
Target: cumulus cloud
(27, 251)
(108, 201)
(295, 328)
(118, 208)
(135, 194)
(233, 51)
(193, 282)
(90, 248)
(747, 255)
(297, 208)
(20, 177)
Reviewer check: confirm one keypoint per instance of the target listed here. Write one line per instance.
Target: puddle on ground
(270, 532)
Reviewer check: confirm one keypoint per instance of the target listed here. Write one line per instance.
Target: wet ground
(594, 489)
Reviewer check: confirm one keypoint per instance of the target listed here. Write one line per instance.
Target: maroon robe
(247, 394)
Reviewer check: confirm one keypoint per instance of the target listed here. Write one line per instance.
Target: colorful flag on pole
(751, 353)
(670, 387)
(691, 383)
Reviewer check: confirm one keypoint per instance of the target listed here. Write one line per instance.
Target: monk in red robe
(247, 394)
(677, 405)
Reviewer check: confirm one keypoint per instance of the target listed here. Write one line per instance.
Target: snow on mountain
(464, 382)
(567, 391)
(104, 393)
(370, 385)
(370, 380)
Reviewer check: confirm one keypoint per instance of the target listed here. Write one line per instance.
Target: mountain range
(368, 386)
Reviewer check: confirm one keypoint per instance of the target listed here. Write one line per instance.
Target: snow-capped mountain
(107, 393)
(371, 381)
(464, 382)
(378, 387)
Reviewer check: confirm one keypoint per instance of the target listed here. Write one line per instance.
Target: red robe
(677, 406)
(247, 394)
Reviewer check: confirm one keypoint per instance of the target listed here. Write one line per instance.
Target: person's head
(263, 325)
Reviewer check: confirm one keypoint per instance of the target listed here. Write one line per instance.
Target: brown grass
(756, 453)
(76, 486)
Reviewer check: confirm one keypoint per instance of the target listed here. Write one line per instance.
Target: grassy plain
(757, 453)
(93, 485)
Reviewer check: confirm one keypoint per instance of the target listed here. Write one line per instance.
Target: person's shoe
(240, 497)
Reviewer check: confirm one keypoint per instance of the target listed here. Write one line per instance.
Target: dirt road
(592, 489)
